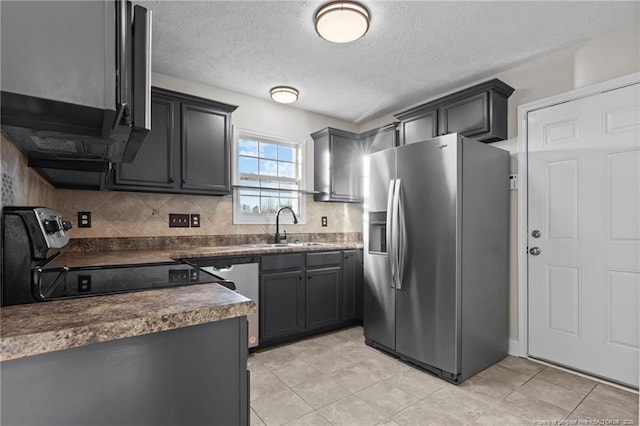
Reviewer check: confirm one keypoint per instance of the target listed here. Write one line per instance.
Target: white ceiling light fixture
(284, 94)
(342, 21)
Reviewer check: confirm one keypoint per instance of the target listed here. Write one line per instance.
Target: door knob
(534, 251)
(536, 233)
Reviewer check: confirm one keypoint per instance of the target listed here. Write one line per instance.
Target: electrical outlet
(178, 220)
(195, 220)
(324, 221)
(84, 219)
(84, 283)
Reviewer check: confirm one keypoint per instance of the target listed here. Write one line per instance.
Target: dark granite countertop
(128, 257)
(50, 326)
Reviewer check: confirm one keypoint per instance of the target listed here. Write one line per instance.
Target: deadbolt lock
(536, 233)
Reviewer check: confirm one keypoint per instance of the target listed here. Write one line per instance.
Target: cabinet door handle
(171, 180)
(308, 277)
(300, 277)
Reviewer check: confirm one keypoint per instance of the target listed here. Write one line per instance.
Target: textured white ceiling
(413, 50)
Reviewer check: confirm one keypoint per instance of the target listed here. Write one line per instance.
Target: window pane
(255, 192)
(249, 204)
(248, 147)
(288, 185)
(247, 165)
(268, 173)
(286, 153)
(273, 194)
(270, 183)
(249, 182)
(268, 167)
(286, 169)
(269, 205)
(287, 194)
(268, 150)
(286, 202)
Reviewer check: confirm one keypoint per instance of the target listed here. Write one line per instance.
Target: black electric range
(32, 239)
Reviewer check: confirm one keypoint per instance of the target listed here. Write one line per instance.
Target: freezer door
(427, 299)
(379, 295)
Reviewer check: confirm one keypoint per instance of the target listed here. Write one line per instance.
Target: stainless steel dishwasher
(243, 271)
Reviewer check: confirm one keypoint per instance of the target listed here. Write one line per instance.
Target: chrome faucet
(295, 220)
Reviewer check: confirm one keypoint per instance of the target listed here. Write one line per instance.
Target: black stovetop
(63, 283)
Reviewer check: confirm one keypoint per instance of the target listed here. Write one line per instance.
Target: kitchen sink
(297, 244)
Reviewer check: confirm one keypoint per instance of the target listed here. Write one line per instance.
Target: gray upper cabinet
(419, 127)
(478, 112)
(338, 158)
(206, 149)
(381, 138)
(337, 166)
(187, 151)
(153, 167)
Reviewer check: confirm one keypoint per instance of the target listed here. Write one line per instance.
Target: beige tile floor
(335, 379)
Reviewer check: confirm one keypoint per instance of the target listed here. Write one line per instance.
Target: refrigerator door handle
(390, 236)
(400, 231)
(397, 236)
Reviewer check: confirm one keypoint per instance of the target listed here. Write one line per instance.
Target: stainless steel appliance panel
(485, 250)
(379, 296)
(427, 301)
(246, 278)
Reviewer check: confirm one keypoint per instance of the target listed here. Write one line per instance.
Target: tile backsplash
(22, 186)
(135, 214)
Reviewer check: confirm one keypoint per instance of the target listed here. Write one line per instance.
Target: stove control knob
(67, 224)
(51, 226)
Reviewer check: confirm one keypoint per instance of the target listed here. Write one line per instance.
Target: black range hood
(75, 99)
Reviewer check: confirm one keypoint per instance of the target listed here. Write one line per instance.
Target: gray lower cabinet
(282, 297)
(303, 294)
(352, 278)
(324, 289)
(188, 149)
(188, 376)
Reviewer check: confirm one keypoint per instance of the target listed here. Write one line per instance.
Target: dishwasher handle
(225, 268)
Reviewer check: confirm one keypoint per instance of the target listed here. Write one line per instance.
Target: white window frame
(267, 219)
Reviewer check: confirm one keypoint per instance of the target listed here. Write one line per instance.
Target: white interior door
(584, 192)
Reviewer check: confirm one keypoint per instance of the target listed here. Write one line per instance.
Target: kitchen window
(267, 175)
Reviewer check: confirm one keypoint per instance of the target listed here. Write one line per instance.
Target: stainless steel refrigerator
(436, 224)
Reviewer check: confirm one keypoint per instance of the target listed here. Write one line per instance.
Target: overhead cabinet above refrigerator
(76, 81)
(436, 254)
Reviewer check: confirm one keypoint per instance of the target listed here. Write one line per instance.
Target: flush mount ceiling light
(342, 21)
(284, 94)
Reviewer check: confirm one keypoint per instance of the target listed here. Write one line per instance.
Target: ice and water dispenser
(377, 232)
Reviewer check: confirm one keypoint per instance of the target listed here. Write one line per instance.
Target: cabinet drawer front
(329, 258)
(281, 262)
